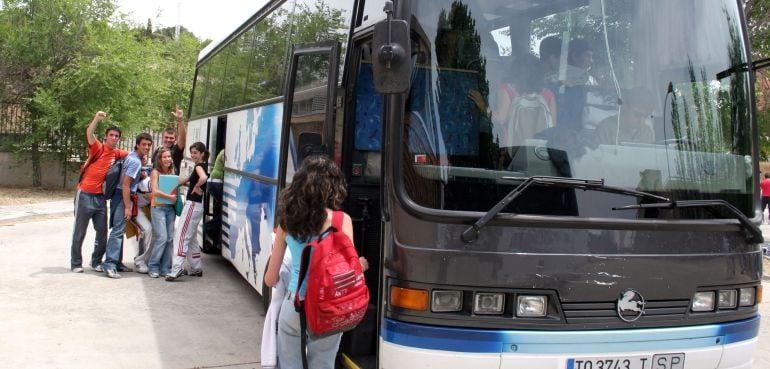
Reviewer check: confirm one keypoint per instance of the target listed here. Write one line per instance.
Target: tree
(758, 24)
(40, 39)
(63, 60)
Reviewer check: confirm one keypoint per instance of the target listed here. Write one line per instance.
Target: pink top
(547, 94)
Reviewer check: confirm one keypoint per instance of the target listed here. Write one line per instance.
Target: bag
(179, 204)
(336, 294)
(112, 179)
(134, 205)
(89, 161)
(528, 114)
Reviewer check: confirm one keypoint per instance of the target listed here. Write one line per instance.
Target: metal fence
(14, 125)
(15, 128)
(13, 120)
(127, 140)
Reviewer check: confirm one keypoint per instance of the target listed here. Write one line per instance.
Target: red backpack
(336, 294)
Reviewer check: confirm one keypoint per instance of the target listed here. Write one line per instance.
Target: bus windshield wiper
(753, 233)
(744, 67)
(472, 233)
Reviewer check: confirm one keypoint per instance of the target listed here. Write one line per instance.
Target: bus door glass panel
(308, 115)
(324, 20)
(371, 12)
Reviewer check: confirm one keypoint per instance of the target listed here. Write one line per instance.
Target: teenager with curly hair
(305, 210)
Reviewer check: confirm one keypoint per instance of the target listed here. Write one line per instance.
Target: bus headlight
(728, 299)
(488, 303)
(748, 296)
(531, 306)
(445, 301)
(703, 301)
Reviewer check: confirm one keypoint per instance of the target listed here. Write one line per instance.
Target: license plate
(660, 361)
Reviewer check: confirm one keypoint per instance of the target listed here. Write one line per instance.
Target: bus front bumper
(721, 346)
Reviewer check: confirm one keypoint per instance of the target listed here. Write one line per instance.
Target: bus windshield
(650, 96)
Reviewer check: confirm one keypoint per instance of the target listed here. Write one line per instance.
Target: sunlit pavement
(53, 318)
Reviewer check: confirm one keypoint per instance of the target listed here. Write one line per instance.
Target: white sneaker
(175, 275)
(112, 273)
(141, 267)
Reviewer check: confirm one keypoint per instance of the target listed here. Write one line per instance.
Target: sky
(205, 18)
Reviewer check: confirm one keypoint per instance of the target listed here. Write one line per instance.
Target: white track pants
(186, 238)
(144, 246)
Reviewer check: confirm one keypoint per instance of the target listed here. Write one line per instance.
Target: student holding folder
(164, 187)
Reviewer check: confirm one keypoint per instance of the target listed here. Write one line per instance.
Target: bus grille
(606, 312)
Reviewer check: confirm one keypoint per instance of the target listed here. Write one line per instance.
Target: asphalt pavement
(53, 318)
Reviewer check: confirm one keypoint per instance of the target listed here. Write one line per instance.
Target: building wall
(19, 174)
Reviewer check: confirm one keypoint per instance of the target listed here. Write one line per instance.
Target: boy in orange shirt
(90, 204)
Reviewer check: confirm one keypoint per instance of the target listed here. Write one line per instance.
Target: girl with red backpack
(305, 210)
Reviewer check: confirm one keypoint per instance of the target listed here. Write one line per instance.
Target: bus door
(308, 119)
(212, 216)
(363, 147)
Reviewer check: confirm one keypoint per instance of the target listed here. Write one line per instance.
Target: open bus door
(212, 215)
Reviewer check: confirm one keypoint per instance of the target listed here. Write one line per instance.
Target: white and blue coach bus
(564, 184)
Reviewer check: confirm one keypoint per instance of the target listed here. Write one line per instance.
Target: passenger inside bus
(632, 123)
(550, 58)
(524, 107)
(575, 85)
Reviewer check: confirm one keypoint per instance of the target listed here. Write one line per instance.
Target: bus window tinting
(251, 67)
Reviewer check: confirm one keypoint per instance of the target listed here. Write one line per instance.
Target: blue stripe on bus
(492, 341)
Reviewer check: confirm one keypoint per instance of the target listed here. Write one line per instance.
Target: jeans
(163, 217)
(321, 352)
(115, 240)
(88, 207)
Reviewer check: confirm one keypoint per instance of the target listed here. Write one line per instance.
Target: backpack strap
(337, 218)
(299, 304)
(90, 161)
(303, 337)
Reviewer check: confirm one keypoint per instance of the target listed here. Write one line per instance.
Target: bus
(565, 184)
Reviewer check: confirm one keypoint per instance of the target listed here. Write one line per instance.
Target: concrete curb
(52, 209)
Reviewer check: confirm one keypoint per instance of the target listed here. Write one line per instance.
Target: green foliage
(64, 60)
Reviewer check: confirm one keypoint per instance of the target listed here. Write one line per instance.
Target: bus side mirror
(391, 60)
